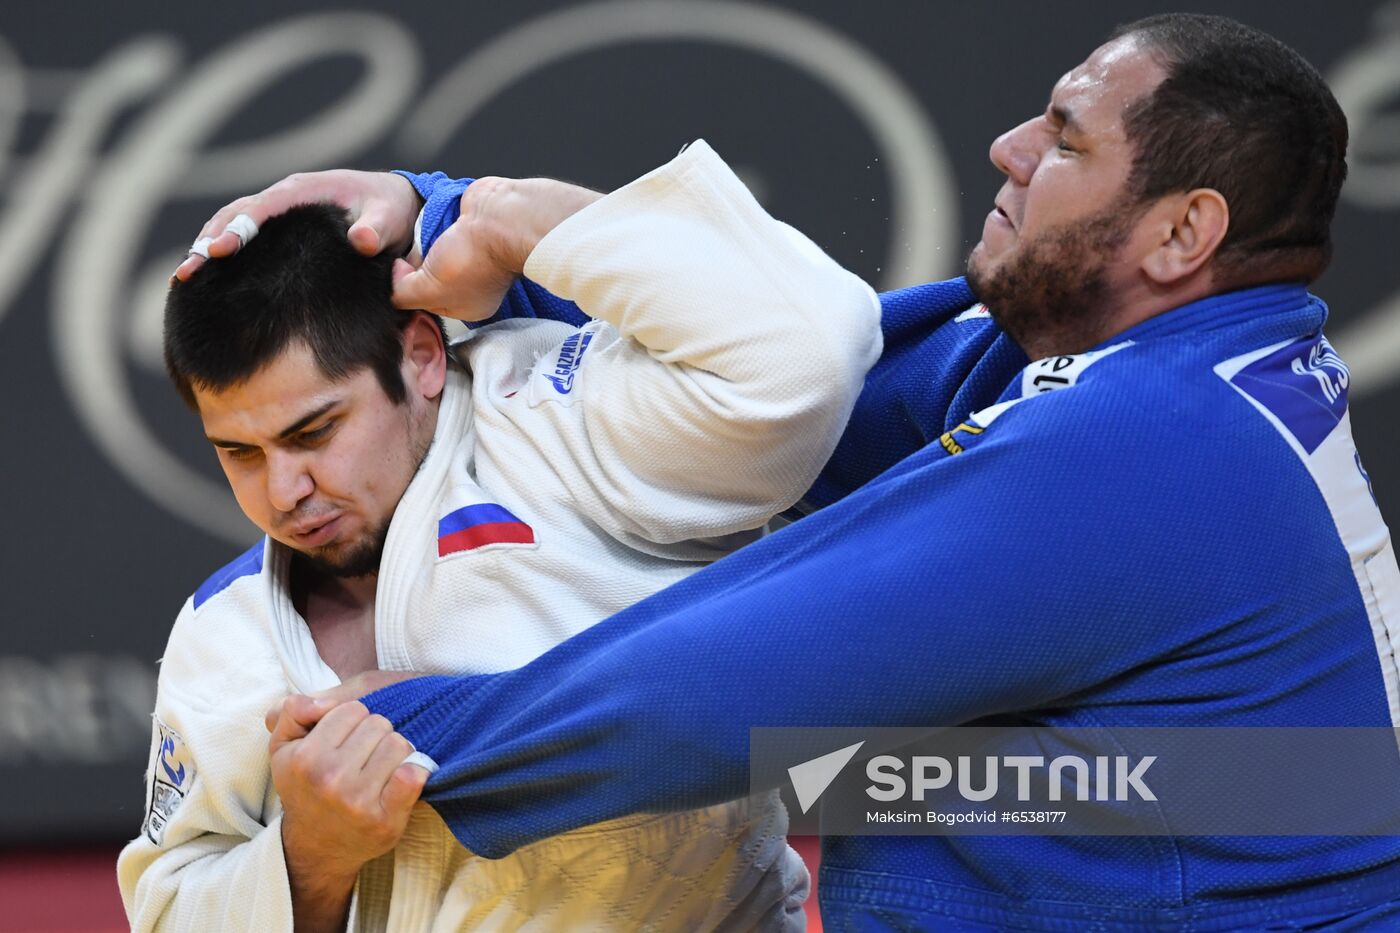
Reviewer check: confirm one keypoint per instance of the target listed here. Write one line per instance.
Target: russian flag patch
(475, 526)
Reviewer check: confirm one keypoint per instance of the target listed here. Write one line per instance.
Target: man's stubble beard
(364, 556)
(1054, 289)
(361, 559)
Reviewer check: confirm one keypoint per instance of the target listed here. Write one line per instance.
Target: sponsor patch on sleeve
(171, 776)
(555, 376)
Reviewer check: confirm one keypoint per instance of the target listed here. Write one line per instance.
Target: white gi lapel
(301, 662)
(409, 549)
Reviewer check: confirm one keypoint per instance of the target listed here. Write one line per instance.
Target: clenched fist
(346, 796)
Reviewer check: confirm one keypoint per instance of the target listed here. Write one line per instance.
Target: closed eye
(240, 453)
(316, 436)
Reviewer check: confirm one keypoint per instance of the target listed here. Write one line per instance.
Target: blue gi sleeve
(1006, 578)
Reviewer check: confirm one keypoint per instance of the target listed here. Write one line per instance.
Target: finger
(271, 201)
(337, 725)
(288, 728)
(403, 788)
(359, 746)
(364, 236)
(301, 711)
(187, 268)
(225, 244)
(220, 218)
(284, 732)
(391, 752)
(416, 289)
(222, 242)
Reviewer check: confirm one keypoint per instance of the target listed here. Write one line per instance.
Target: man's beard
(359, 559)
(363, 556)
(1054, 288)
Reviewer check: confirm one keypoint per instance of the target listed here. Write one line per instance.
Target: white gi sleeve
(726, 358)
(206, 859)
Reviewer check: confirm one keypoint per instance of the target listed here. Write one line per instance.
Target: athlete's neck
(339, 611)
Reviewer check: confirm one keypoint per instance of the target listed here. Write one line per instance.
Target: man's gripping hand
(346, 795)
(382, 206)
(303, 712)
(472, 265)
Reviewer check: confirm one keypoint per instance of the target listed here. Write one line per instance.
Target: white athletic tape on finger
(422, 761)
(244, 227)
(200, 247)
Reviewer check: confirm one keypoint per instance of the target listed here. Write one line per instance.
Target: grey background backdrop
(866, 125)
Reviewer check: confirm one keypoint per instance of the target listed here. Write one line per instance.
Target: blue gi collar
(1304, 312)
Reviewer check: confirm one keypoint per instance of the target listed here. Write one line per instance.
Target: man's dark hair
(1244, 114)
(299, 279)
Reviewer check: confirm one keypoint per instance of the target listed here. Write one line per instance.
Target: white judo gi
(572, 472)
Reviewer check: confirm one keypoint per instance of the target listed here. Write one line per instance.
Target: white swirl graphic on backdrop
(69, 158)
(1366, 82)
(924, 207)
(91, 275)
(11, 103)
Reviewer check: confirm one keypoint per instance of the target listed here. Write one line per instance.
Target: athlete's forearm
(320, 900)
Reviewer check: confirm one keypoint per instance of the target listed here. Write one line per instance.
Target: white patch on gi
(1061, 372)
(554, 377)
(172, 773)
(1047, 375)
(973, 313)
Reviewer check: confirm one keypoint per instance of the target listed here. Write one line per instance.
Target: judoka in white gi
(567, 474)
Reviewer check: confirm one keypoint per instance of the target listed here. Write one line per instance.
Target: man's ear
(424, 356)
(1188, 229)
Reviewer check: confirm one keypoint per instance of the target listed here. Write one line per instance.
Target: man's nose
(1017, 152)
(288, 481)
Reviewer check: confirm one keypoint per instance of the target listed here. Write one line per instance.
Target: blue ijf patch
(1304, 385)
(171, 776)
